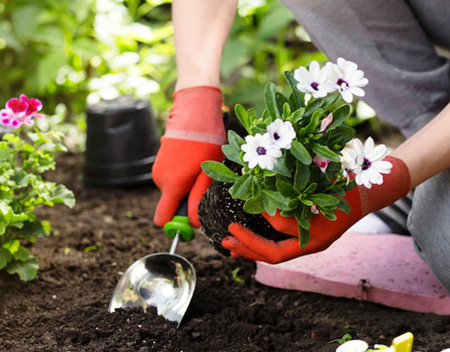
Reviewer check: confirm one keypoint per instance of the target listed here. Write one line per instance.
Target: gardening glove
(194, 133)
(249, 245)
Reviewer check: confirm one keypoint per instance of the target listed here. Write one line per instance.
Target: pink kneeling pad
(380, 268)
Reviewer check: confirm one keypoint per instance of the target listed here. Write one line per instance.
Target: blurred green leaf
(277, 19)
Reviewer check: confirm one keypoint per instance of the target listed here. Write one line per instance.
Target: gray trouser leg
(392, 42)
(408, 82)
(429, 223)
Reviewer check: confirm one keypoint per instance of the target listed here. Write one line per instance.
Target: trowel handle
(180, 223)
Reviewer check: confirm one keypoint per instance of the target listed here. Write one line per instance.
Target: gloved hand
(249, 245)
(194, 133)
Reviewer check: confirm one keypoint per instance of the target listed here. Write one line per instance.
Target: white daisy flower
(353, 346)
(260, 150)
(346, 78)
(282, 133)
(313, 81)
(367, 163)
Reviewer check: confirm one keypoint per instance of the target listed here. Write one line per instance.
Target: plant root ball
(217, 210)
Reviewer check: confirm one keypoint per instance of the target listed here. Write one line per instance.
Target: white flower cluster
(343, 77)
(265, 149)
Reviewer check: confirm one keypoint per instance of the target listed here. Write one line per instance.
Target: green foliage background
(67, 52)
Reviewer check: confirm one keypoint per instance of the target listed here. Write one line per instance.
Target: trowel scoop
(162, 280)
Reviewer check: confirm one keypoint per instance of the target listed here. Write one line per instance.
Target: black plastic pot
(121, 142)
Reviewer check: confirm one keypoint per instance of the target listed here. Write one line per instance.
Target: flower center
(315, 85)
(276, 136)
(366, 164)
(341, 83)
(261, 151)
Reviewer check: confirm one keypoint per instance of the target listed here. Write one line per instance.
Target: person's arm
(428, 151)
(195, 130)
(201, 30)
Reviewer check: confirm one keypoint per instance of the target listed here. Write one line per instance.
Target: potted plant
(292, 159)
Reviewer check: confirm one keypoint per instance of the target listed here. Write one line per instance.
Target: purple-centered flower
(313, 81)
(367, 163)
(282, 133)
(322, 163)
(260, 150)
(347, 79)
(19, 112)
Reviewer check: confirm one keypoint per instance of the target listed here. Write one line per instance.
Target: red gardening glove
(194, 133)
(249, 245)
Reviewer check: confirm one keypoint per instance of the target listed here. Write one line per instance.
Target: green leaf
(312, 106)
(242, 186)
(48, 68)
(298, 115)
(22, 254)
(301, 217)
(12, 246)
(219, 171)
(324, 200)
(271, 100)
(235, 140)
(295, 93)
(314, 122)
(303, 237)
(276, 20)
(275, 198)
(254, 205)
(232, 154)
(63, 195)
(340, 115)
(256, 188)
(269, 206)
(286, 189)
(34, 228)
(235, 54)
(242, 116)
(281, 102)
(346, 133)
(328, 214)
(280, 167)
(86, 47)
(343, 205)
(301, 177)
(5, 257)
(26, 270)
(300, 152)
(311, 188)
(324, 152)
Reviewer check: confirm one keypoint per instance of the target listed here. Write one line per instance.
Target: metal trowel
(162, 280)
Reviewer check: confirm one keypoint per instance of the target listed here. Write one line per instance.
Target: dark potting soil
(65, 308)
(217, 210)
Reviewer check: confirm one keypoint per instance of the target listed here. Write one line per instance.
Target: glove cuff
(198, 90)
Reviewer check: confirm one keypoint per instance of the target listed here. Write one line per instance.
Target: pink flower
(314, 209)
(34, 105)
(322, 163)
(19, 112)
(326, 122)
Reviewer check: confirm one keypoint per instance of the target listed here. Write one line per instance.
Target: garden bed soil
(65, 308)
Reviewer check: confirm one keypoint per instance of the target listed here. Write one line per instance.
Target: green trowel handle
(180, 224)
